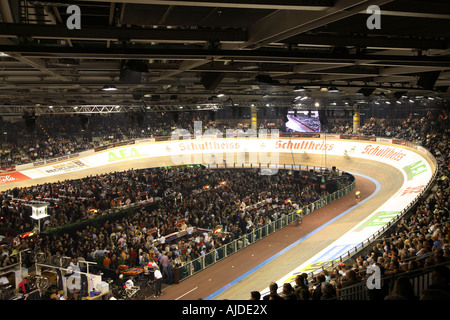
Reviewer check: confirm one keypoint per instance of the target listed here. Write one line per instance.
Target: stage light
(109, 88)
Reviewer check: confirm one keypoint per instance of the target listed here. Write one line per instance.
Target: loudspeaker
(366, 91)
(136, 65)
(442, 88)
(265, 79)
(30, 121)
(129, 76)
(323, 118)
(175, 117)
(428, 79)
(210, 80)
(138, 94)
(84, 122)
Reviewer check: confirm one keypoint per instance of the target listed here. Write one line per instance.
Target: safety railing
(286, 217)
(420, 280)
(364, 244)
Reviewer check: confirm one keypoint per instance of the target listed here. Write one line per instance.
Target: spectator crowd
(419, 241)
(184, 198)
(52, 136)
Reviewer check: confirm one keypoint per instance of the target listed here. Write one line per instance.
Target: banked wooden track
(219, 280)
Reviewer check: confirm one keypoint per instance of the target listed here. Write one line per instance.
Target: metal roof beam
(119, 33)
(242, 4)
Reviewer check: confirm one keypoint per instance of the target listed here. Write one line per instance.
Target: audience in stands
(421, 240)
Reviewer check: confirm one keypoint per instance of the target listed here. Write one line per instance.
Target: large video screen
(303, 121)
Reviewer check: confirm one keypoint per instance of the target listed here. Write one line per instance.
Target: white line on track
(186, 293)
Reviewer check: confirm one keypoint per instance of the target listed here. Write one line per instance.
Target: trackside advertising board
(414, 165)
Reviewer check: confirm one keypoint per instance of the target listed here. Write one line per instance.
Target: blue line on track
(262, 264)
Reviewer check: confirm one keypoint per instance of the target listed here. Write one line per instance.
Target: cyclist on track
(357, 196)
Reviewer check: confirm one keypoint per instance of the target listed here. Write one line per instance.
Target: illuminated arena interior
(233, 150)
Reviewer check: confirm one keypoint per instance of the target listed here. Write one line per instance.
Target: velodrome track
(249, 269)
(278, 254)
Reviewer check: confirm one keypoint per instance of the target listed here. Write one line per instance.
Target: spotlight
(109, 88)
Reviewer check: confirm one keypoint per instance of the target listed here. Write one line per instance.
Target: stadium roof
(202, 54)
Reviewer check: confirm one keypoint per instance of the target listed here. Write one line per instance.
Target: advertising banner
(413, 165)
(13, 177)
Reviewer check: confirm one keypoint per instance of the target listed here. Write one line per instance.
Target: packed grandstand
(210, 207)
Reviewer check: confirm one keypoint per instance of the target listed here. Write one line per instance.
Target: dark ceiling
(163, 54)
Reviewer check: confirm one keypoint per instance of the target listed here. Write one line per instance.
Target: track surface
(215, 281)
(221, 276)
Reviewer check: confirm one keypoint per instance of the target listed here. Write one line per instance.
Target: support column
(356, 118)
(254, 118)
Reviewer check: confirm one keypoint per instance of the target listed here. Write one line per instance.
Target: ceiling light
(299, 89)
(333, 89)
(220, 95)
(2, 54)
(109, 88)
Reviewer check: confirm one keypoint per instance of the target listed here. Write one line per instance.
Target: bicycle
(7, 293)
(299, 217)
(127, 293)
(43, 283)
(357, 196)
(122, 292)
(60, 261)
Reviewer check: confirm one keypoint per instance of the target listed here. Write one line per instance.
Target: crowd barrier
(365, 243)
(286, 218)
(418, 171)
